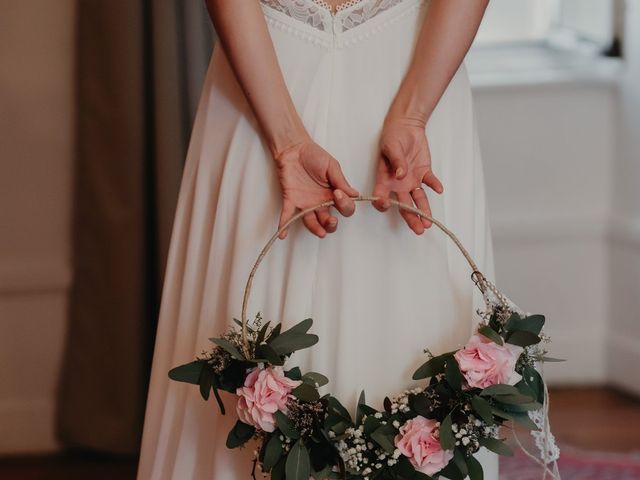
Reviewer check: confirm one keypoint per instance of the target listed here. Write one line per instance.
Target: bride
(306, 101)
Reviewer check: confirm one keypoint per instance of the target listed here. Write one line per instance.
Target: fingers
(337, 179)
(288, 210)
(310, 220)
(422, 202)
(381, 190)
(432, 181)
(412, 219)
(343, 203)
(397, 162)
(328, 221)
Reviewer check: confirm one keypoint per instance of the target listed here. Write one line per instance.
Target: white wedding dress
(378, 293)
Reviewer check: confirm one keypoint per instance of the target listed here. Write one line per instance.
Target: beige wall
(36, 146)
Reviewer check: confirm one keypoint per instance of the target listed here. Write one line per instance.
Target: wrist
(282, 139)
(410, 106)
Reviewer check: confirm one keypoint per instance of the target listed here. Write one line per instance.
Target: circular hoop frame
(478, 278)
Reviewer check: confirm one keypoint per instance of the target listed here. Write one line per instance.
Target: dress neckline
(334, 9)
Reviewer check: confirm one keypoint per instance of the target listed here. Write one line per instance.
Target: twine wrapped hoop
(478, 278)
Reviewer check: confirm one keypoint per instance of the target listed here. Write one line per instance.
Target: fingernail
(339, 195)
(398, 171)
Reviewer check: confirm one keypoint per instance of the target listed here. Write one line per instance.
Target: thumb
(337, 179)
(288, 210)
(397, 163)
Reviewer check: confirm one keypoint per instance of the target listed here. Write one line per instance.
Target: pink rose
(484, 362)
(265, 391)
(418, 441)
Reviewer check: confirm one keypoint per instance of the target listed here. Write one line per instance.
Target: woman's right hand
(309, 175)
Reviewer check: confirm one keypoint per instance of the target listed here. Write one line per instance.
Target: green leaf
(216, 394)
(499, 389)
(275, 332)
(336, 407)
(294, 373)
(523, 338)
(474, 468)
(240, 434)
(359, 411)
(265, 350)
(306, 393)
(533, 380)
(447, 440)
(316, 379)
(288, 342)
(483, 409)
(188, 373)
(516, 399)
(285, 425)
(458, 459)
(272, 452)
(453, 374)
(491, 334)
(451, 472)
(298, 466)
(533, 323)
(206, 382)
(521, 418)
(301, 327)
(277, 472)
(430, 368)
(229, 347)
(262, 333)
(383, 436)
(496, 446)
(552, 360)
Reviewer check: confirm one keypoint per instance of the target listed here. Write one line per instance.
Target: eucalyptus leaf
(206, 382)
(452, 472)
(483, 409)
(496, 446)
(453, 374)
(240, 434)
(491, 334)
(532, 323)
(301, 327)
(287, 342)
(552, 360)
(447, 440)
(499, 389)
(458, 459)
(474, 468)
(306, 393)
(316, 379)
(262, 333)
(229, 347)
(265, 350)
(272, 452)
(285, 425)
(523, 338)
(298, 465)
(430, 368)
(383, 436)
(188, 373)
(520, 418)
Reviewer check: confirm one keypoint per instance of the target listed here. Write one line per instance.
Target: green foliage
(491, 334)
(496, 446)
(298, 465)
(285, 425)
(240, 434)
(452, 373)
(431, 367)
(447, 440)
(188, 373)
(272, 452)
(229, 347)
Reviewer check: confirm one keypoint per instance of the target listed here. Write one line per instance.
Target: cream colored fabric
(377, 292)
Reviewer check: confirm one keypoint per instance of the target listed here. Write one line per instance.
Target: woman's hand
(309, 175)
(404, 165)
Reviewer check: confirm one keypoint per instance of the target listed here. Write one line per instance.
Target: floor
(576, 418)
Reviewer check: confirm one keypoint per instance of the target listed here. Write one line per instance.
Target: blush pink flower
(419, 442)
(484, 363)
(265, 391)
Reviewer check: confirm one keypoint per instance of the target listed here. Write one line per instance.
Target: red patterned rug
(575, 465)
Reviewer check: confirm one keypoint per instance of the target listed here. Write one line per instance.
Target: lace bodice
(318, 13)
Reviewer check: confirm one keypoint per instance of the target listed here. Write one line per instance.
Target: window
(564, 23)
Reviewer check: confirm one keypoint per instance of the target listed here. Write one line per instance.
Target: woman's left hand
(403, 166)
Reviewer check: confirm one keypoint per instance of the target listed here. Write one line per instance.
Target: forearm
(244, 35)
(445, 37)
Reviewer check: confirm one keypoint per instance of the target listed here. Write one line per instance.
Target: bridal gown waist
(353, 19)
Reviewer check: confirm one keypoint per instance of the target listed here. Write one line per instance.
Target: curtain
(140, 65)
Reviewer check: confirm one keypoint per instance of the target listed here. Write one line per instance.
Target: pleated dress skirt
(378, 293)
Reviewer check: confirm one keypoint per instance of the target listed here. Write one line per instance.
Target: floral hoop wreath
(429, 432)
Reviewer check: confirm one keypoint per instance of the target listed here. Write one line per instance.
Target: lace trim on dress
(319, 13)
(310, 13)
